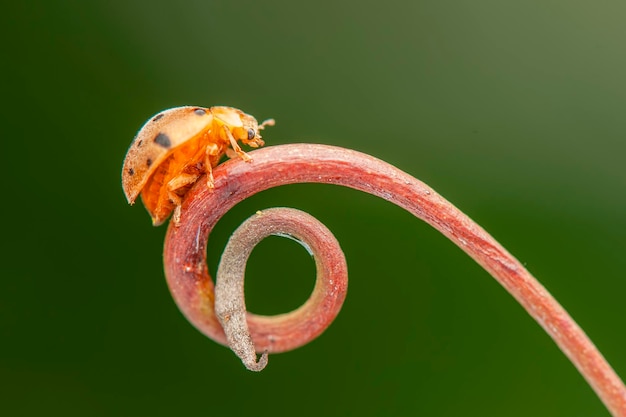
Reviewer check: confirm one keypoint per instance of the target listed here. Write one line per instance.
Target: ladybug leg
(174, 184)
(235, 146)
(230, 153)
(211, 150)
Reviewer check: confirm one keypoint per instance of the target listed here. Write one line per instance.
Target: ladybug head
(251, 130)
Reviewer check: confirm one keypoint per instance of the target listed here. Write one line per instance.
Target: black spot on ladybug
(131, 171)
(163, 140)
(251, 134)
(139, 143)
(157, 117)
(149, 162)
(200, 112)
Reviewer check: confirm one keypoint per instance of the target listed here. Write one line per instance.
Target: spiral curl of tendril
(193, 290)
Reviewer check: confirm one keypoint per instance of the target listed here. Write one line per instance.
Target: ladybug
(176, 147)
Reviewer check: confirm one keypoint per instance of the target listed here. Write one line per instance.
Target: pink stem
(192, 287)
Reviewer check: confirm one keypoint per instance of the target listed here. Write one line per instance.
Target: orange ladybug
(175, 147)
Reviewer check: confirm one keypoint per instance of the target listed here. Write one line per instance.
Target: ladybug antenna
(268, 122)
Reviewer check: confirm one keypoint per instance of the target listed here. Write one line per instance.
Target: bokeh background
(513, 110)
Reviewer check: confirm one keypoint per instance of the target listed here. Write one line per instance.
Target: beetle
(176, 147)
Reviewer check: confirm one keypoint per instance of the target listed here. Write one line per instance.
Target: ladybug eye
(251, 134)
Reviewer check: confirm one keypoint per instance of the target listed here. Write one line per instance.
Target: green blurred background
(513, 110)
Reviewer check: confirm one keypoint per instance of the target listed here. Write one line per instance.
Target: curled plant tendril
(193, 289)
(328, 294)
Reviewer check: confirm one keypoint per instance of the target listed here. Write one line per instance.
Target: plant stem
(192, 288)
(301, 325)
